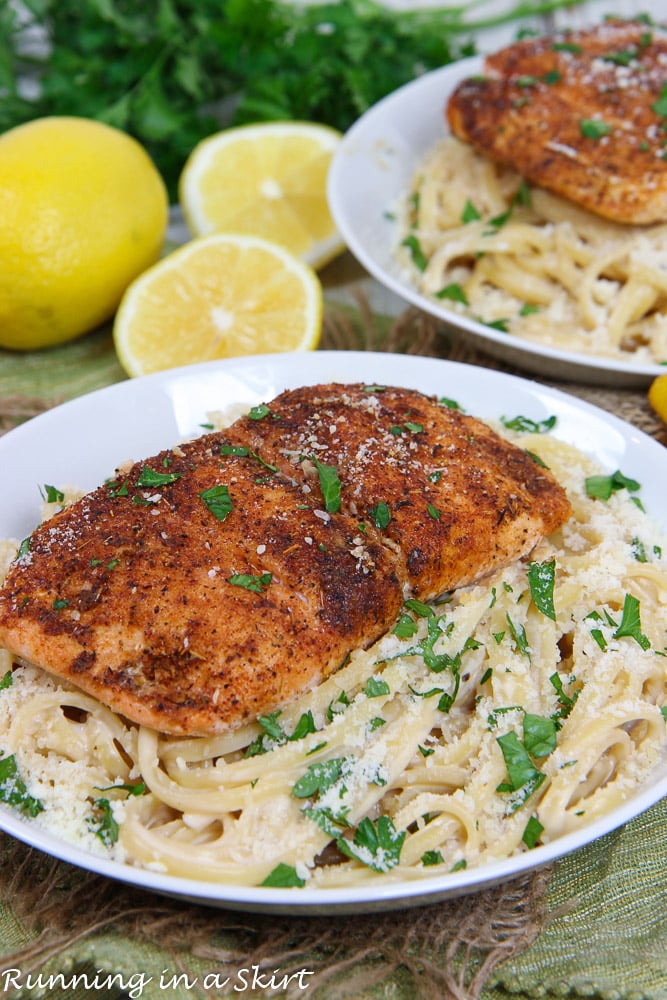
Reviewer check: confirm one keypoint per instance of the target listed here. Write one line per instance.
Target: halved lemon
(657, 396)
(268, 180)
(218, 296)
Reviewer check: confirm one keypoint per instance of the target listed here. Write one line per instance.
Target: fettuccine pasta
(502, 717)
(476, 238)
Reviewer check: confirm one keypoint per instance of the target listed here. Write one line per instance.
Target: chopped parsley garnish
(60, 603)
(660, 106)
(451, 404)
(257, 584)
(602, 487)
(432, 858)
(52, 494)
(150, 478)
(469, 213)
(453, 291)
(376, 845)
(381, 514)
(532, 832)
(318, 778)
(434, 512)
(337, 706)
(524, 777)
(539, 734)
(567, 47)
(638, 550)
(329, 484)
(259, 412)
(594, 128)
(284, 876)
(405, 627)
(527, 426)
(630, 626)
(541, 578)
(7, 680)
(566, 702)
(13, 790)
(417, 255)
(118, 491)
(218, 501)
(275, 735)
(376, 687)
(519, 636)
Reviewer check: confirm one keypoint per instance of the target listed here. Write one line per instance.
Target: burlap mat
(55, 918)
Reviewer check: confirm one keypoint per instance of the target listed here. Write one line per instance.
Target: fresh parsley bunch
(170, 72)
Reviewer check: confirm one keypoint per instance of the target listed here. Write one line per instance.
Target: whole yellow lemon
(83, 211)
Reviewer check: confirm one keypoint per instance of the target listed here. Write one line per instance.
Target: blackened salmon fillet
(581, 114)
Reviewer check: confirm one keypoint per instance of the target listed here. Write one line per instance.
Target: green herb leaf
(329, 484)
(539, 735)
(528, 426)
(630, 625)
(257, 584)
(419, 258)
(13, 790)
(532, 832)
(660, 106)
(304, 726)
(594, 128)
(470, 213)
(405, 627)
(524, 777)
(52, 494)
(151, 478)
(103, 824)
(519, 636)
(284, 876)
(381, 514)
(541, 579)
(376, 845)
(454, 292)
(259, 412)
(375, 687)
(318, 778)
(602, 487)
(432, 858)
(218, 501)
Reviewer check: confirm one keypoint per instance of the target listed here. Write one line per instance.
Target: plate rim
(337, 186)
(386, 894)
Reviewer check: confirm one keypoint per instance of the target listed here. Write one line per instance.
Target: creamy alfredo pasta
(483, 243)
(499, 718)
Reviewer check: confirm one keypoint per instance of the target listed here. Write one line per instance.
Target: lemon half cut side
(268, 180)
(219, 296)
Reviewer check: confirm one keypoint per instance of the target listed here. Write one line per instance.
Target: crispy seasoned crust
(129, 596)
(461, 500)
(580, 114)
(216, 582)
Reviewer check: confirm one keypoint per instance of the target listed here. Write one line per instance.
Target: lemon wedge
(657, 396)
(218, 296)
(267, 180)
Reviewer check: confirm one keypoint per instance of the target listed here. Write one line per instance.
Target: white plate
(373, 167)
(83, 441)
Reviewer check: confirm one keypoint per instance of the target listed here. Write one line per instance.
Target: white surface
(81, 442)
(373, 166)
